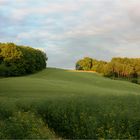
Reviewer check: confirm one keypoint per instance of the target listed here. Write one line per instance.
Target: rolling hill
(75, 104)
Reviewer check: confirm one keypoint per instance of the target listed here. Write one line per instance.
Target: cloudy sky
(71, 29)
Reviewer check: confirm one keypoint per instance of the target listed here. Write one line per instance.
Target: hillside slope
(75, 104)
(56, 82)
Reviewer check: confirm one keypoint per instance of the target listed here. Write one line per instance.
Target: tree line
(126, 68)
(18, 60)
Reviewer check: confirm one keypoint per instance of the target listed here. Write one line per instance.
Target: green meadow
(56, 103)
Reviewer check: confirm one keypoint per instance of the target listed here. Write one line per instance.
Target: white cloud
(128, 51)
(70, 29)
(3, 2)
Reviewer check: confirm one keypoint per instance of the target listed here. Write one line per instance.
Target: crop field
(56, 103)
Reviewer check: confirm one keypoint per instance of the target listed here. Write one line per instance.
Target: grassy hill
(74, 105)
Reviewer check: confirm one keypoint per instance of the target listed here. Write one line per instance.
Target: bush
(134, 80)
(3, 70)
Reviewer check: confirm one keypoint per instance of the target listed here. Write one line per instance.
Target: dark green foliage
(102, 117)
(20, 60)
(16, 123)
(24, 125)
(134, 80)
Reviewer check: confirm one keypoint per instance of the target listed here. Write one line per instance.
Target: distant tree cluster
(128, 68)
(20, 60)
(89, 64)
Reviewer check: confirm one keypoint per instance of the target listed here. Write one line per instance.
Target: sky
(68, 30)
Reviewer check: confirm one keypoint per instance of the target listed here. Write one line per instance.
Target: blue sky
(71, 29)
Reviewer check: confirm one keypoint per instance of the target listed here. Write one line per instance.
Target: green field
(69, 105)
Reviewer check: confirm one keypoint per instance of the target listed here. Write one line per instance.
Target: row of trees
(128, 68)
(20, 60)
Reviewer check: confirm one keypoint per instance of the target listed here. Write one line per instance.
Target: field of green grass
(56, 103)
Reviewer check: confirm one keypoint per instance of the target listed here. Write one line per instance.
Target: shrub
(134, 80)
